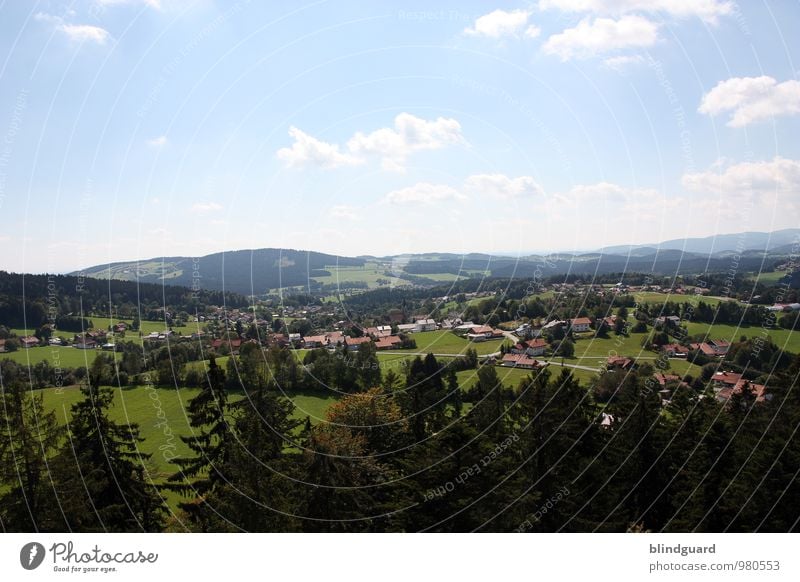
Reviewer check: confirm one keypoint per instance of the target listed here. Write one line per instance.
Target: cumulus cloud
(157, 142)
(751, 99)
(307, 150)
(707, 10)
(423, 193)
(75, 32)
(392, 145)
(780, 175)
(602, 35)
(205, 207)
(502, 23)
(409, 134)
(502, 187)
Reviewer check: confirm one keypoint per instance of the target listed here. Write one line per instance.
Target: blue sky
(134, 129)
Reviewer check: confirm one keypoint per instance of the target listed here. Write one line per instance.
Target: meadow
(446, 342)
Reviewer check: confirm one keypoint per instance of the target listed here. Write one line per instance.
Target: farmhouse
(353, 343)
(29, 341)
(84, 344)
(425, 325)
(314, 341)
(388, 343)
(675, 350)
(704, 349)
(725, 380)
(580, 324)
(619, 363)
(720, 347)
(520, 361)
(534, 347)
(756, 390)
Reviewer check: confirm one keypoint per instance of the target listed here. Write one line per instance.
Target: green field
(786, 339)
(160, 414)
(446, 342)
(64, 356)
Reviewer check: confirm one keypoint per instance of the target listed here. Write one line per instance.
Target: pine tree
(100, 472)
(29, 438)
(210, 443)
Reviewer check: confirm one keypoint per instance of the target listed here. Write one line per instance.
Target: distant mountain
(250, 272)
(255, 272)
(743, 241)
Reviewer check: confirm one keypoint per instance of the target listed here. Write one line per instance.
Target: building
(353, 343)
(722, 380)
(580, 324)
(425, 325)
(29, 341)
(666, 320)
(704, 349)
(314, 341)
(534, 347)
(619, 363)
(720, 347)
(84, 344)
(388, 343)
(756, 390)
(520, 361)
(675, 350)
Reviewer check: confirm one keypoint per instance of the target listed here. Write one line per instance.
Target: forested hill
(249, 272)
(27, 300)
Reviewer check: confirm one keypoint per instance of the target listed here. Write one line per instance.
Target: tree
(29, 437)
(100, 473)
(210, 442)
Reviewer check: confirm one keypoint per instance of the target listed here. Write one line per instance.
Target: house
(720, 347)
(314, 341)
(120, 327)
(2, 346)
(353, 343)
(334, 337)
(722, 380)
(29, 341)
(84, 344)
(388, 343)
(704, 349)
(295, 339)
(663, 379)
(520, 361)
(534, 347)
(108, 347)
(407, 328)
(668, 320)
(757, 390)
(580, 324)
(233, 343)
(425, 325)
(675, 350)
(56, 341)
(619, 363)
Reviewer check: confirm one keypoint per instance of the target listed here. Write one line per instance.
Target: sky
(132, 129)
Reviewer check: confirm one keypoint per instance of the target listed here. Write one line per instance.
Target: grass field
(446, 342)
(786, 339)
(160, 414)
(63, 356)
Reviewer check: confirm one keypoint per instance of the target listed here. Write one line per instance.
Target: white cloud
(502, 23)
(707, 10)
(75, 32)
(84, 33)
(307, 150)
(602, 35)
(781, 176)
(622, 62)
(409, 134)
(752, 99)
(392, 145)
(609, 192)
(344, 212)
(205, 207)
(503, 187)
(423, 193)
(157, 142)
